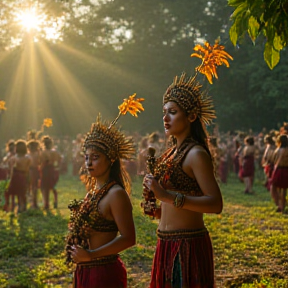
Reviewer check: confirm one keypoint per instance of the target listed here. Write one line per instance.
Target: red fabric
(47, 177)
(56, 177)
(248, 167)
(236, 163)
(3, 173)
(196, 258)
(279, 177)
(34, 177)
(223, 171)
(18, 183)
(103, 276)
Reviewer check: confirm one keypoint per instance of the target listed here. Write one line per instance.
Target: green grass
(250, 241)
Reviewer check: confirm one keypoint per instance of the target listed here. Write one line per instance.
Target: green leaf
(240, 10)
(277, 43)
(235, 2)
(253, 28)
(271, 56)
(233, 34)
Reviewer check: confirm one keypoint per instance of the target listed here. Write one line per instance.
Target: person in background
(247, 165)
(48, 160)
(34, 172)
(268, 160)
(185, 183)
(279, 178)
(20, 164)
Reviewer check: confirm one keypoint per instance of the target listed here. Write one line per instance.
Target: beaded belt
(99, 261)
(181, 234)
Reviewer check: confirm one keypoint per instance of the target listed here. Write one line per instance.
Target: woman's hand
(151, 184)
(79, 254)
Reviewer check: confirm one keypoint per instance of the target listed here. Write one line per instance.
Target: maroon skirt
(47, 177)
(18, 183)
(104, 272)
(183, 258)
(279, 177)
(248, 167)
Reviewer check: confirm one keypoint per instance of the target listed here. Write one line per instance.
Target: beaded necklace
(83, 215)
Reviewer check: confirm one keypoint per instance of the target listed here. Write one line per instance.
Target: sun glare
(30, 20)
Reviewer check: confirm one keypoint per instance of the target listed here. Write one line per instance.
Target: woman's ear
(192, 117)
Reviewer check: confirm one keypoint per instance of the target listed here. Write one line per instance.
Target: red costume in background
(280, 177)
(47, 177)
(17, 187)
(248, 167)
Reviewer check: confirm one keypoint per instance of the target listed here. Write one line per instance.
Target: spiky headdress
(108, 138)
(187, 92)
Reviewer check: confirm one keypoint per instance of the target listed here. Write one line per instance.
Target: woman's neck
(180, 139)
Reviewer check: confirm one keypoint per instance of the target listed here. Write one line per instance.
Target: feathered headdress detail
(108, 138)
(187, 93)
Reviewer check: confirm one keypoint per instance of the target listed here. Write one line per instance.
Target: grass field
(250, 241)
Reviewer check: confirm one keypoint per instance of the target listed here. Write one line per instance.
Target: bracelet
(179, 200)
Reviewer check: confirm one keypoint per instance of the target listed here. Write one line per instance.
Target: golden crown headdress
(108, 138)
(187, 92)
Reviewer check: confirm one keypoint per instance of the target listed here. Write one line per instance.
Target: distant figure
(49, 160)
(247, 165)
(20, 163)
(279, 178)
(34, 170)
(268, 160)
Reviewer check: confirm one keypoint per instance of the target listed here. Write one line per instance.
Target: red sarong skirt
(248, 167)
(18, 183)
(183, 259)
(279, 177)
(104, 272)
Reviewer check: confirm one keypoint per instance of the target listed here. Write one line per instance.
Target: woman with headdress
(279, 178)
(184, 181)
(101, 225)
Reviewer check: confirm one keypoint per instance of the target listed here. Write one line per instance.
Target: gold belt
(99, 261)
(181, 234)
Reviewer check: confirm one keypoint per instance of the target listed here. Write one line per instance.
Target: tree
(256, 17)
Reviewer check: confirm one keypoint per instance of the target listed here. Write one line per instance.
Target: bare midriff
(176, 219)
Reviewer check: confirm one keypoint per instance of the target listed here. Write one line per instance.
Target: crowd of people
(184, 172)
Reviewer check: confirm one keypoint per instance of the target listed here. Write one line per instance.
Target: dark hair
(47, 141)
(120, 175)
(249, 140)
(199, 133)
(10, 146)
(21, 148)
(283, 140)
(269, 140)
(33, 145)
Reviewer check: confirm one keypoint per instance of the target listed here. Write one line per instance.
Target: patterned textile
(183, 259)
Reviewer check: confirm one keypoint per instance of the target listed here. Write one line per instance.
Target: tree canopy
(258, 17)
